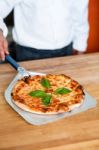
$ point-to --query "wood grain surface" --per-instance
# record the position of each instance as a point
(78, 132)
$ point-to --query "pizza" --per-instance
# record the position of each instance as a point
(47, 94)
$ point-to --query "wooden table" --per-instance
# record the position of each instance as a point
(78, 132)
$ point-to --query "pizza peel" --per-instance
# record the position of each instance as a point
(36, 119)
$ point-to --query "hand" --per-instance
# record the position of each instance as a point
(3, 46)
(76, 52)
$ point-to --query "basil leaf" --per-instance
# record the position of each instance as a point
(62, 91)
(45, 82)
(37, 93)
(47, 99)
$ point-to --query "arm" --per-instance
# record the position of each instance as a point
(81, 26)
(6, 7)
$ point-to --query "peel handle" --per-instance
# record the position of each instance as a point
(12, 62)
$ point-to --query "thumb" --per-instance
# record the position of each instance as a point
(6, 47)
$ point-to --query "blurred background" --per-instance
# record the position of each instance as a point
(93, 41)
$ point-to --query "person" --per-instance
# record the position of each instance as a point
(45, 28)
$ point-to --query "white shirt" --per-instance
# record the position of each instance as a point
(47, 24)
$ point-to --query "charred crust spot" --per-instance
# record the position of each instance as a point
(26, 79)
(21, 100)
(11, 93)
(80, 87)
(70, 111)
(83, 93)
(67, 77)
(44, 110)
(62, 106)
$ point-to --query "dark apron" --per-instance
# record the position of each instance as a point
(21, 53)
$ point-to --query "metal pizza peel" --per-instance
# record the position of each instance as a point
(36, 119)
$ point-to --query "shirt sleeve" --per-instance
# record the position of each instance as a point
(6, 7)
(81, 25)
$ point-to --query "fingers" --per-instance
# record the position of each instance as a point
(6, 47)
(80, 53)
(3, 48)
(77, 52)
(2, 55)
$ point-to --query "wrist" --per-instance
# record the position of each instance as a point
(77, 52)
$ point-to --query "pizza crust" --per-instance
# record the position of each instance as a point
(26, 108)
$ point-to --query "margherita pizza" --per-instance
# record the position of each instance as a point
(47, 94)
